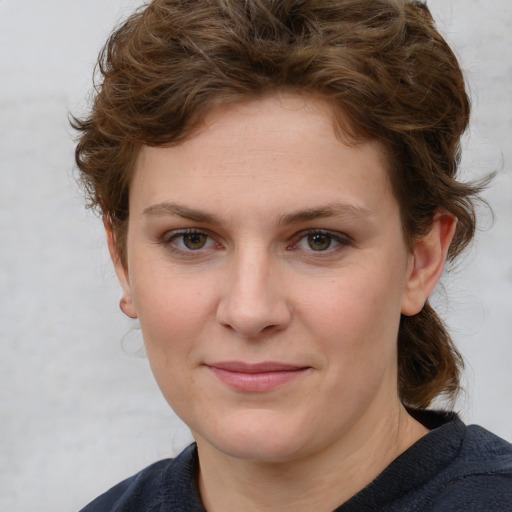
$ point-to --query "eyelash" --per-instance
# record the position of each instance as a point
(168, 241)
(340, 241)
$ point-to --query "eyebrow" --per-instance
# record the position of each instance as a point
(165, 209)
(333, 210)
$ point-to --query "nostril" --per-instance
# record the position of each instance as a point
(251, 306)
(250, 327)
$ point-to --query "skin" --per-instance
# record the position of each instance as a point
(294, 254)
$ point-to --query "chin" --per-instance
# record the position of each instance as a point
(274, 441)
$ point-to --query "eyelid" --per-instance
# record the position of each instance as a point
(342, 239)
(169, 237)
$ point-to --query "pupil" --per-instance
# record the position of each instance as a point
(319, 242)
(194, 240)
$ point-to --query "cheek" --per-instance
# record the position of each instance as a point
(356, 316)
(173, 314)
(172, 311)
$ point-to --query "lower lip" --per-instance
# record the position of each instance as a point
(256, 382)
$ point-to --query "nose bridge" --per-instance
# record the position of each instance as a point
(253, 300)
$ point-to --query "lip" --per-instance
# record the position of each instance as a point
(256, 377)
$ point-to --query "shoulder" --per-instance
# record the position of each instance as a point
(480, 476)
(485, 451)
(453, 468)
(144, 487)
(167, 481)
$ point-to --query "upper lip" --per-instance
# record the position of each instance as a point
(263, 367)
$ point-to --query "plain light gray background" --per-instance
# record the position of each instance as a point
(77, 412)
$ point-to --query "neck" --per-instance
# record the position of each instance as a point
(319, 482)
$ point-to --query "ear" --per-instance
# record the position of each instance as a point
(126, 302)
(427, 263)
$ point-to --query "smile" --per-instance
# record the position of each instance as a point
(256, 378)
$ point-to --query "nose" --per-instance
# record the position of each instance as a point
(253, 302)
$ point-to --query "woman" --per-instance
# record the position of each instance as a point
(278, 185)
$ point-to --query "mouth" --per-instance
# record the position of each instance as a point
(258, 377)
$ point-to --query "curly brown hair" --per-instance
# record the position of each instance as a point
(381, 63)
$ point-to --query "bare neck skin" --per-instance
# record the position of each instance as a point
(321, 482)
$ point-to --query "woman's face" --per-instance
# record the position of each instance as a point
(266, 262)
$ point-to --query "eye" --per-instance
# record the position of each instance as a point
(194, 241)
(189, 240)
(320, 241)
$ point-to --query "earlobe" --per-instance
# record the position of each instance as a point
(427, 263)
(126, 306)
(126, 303)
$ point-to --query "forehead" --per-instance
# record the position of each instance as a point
(278, 150)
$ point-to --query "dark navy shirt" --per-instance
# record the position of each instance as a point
(452, 468)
